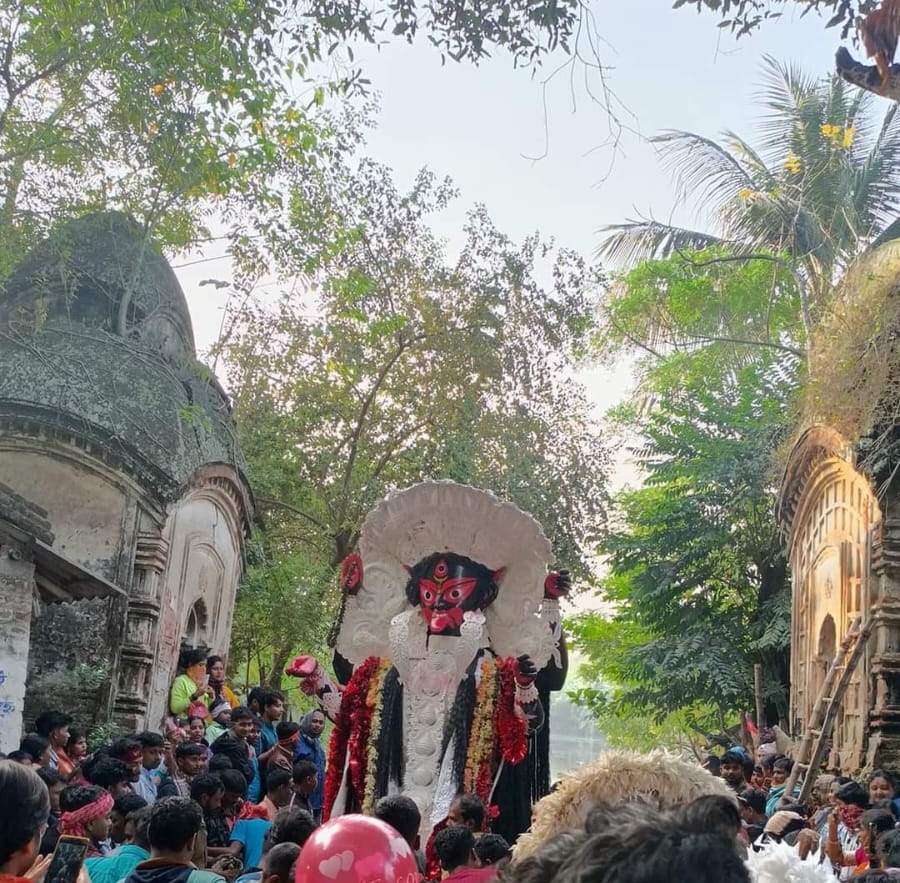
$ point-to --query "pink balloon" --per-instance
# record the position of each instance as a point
(356, 849)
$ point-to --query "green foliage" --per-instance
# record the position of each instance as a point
(696, 570)
(821, 186)
(394, 364)
(745, 16)
(282, 605)
(174, 111)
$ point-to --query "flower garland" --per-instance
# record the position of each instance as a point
(352, 715)
(478, 777)
(375, 704)
(513, 729)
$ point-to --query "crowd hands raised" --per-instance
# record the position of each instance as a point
(231, 792)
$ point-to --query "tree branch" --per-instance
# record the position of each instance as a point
(280, 504)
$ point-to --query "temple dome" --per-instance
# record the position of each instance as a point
(102, 271)
(97, 349)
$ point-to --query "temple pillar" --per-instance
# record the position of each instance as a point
(139, 635)
(16, 608)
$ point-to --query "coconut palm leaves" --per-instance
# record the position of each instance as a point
(821, 186)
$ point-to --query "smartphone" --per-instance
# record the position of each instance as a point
(68, 857)
(205, 681)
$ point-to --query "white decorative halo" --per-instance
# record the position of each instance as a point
(443, 516)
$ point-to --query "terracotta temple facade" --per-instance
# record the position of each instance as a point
(124, 505)
(844, 545)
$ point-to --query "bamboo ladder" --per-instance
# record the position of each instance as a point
(828, 702)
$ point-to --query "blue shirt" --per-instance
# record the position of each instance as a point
(309, 748)
(251, 834)
(116, 867)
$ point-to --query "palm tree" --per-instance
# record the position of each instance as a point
(821, 187)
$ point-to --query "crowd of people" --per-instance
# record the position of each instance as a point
(232, 791)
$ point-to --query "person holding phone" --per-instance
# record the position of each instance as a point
(24, 811)
(192, 686)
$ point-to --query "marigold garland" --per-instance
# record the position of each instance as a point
(513, 729)
(375, 703)
(482, 737)
(353, 711)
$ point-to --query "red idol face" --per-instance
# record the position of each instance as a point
(446, 587)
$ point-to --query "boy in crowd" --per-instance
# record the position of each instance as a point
(306, 780)
(190, 761)
(152, 747)
(113, 868)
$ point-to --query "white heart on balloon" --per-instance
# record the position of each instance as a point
(346, 858)
(330, 867)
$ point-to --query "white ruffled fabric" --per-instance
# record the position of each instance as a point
(781, 863)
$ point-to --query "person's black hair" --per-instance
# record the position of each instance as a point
(19, 757)
(270, 697)
(454, 847)
(279, 862)
(890, 778)
(34, 745)
(277, 778)
(853, 793)
(292, 825)
(218, 763)
(889, 849)
(303, 769)
(174, 822)
(205, 785)
(783, 763)
(398, 811)
(234, 782)
(886, 805)
(50, 776)
(711, 812)
(24, 809)
(543, 865)
(127, 803)
(876, 821)
(190, 656)
(48, 721)
(491, 848)
(471, 809)
(255, 695)
(107, 772)
(150, 739)
(124, 746)
(77, 796)
(768, 762)
(186, 749)
(659, 848)
(240, 713)
(754, 798)
(211, 661)
(733, 755)
(75, 735)
(286, 729)
(140, 818)
(713, 764)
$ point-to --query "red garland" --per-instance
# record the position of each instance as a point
(513, 729)
(353, 713)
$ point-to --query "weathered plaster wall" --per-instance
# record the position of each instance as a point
(16, 592)
(204, 535)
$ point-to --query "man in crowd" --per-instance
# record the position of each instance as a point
(467, 811)
(113, 868)
(152, 746)
(111, 774)
(130, 752)
(402, 814)
(175, 823)
(190, 761)
(234, 743)
(55, 785)
(306, 780)
(752, 804)
(271, 710)
(278, 792)
(455, 847)
(309, 747)
(732, 770)
(123, 806)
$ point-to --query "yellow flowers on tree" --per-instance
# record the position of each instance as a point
(820, 186)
